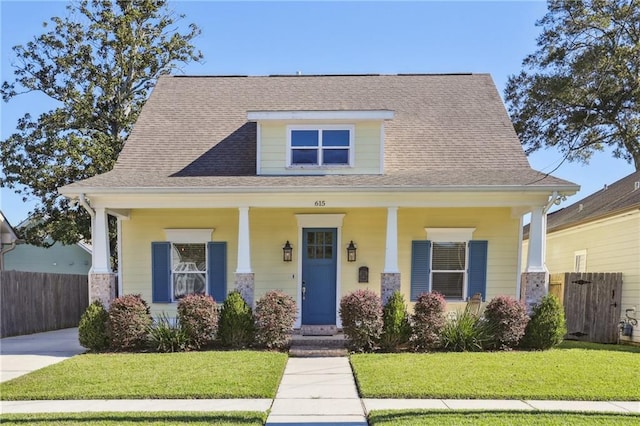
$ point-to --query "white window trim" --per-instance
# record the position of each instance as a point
(350, 127)
(451, 235)
(576, 255)
(186, 236)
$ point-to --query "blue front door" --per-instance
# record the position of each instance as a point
(319, 276)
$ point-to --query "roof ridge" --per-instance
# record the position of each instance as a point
(452, 74)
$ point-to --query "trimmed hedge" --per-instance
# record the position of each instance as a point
(508, 319)
(428, 321)
(361, 315)
(275, 315)
(129, 322)
(198, 317)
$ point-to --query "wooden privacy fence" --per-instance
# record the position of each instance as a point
(591, 304)
(32, 302)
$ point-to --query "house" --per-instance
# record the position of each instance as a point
(318, 186)
(56, 259)
(8, 239)
(600, 233)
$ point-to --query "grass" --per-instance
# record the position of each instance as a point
(491, 418)
(131, 419)
(575, 371)
(202, 375)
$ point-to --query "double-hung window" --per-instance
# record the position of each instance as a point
(188, 263)
(448, 268)
(328, 145)
(449, 262)
(188, 269)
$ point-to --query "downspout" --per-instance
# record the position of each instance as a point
(84, 203)
(4, 251)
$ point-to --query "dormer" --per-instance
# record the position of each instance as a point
(320, 142)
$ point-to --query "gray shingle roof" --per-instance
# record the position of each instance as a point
(618, 197)
(448, 130)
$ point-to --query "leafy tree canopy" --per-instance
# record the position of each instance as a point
(98, 64)
(580, 91)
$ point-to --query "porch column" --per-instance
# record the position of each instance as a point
(390, 279)
(535, 279)
(244, 277)
(102, 282)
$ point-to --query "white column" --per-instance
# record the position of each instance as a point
(101, 254)
(537, 236)
(244, 242)
(391, 246)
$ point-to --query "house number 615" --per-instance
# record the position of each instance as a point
(319, 203)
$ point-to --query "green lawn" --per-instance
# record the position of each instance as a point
(136, 419)
(491, 418)
(575, 372)
(232, 374)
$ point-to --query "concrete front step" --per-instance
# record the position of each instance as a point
(299, 351)
(318, 330)
(336, 341)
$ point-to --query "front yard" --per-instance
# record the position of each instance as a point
(574, 371)
(232, 374)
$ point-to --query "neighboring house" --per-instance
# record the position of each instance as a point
(600, 233)
(423, 175)
(8, 239)
(59, 258)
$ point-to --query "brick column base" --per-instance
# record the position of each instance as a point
(389, 282)
(102, 287)
(245, 284)
(533, 288)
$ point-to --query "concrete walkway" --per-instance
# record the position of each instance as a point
(23, 354)
(317, 391)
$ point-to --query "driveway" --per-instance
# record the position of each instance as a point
(23, 354)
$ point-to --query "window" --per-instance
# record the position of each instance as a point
(188, 269)
(188, 263)
(580, 261)
(448, 268)
(320, 146)
(449, 262)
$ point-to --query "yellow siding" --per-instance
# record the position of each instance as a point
(270, 228)
(612, 245)
(147, 226)
(273, 150)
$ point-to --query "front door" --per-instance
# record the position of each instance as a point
(319, 259)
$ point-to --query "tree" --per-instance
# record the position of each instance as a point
(98, 64)
(580, 91)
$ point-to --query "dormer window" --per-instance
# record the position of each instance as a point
(320, 146)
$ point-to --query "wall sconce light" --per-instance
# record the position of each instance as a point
(351, 252)
(287, 252)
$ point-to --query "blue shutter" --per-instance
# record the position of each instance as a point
(420, 267)
(217, 270)
(161, 272)
(477, 272)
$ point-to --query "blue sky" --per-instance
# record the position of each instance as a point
(262, 38)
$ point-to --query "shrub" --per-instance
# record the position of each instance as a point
(466, 333)
(547, 326)
(508, 318)
(236, 326)
(198, 317)
(92, 329)
(396, 330)
(275, 315)
(361, 314)
(428, 320)
(129, 322)
(166, 335)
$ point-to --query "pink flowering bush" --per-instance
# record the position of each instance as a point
(275, 315)
(198, 317)
(361, 315)
(129, 323)
(507, 318)
(428, 321)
